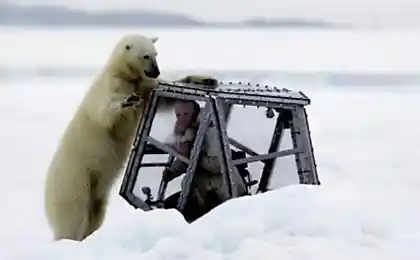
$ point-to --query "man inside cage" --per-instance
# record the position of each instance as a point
(207, 191)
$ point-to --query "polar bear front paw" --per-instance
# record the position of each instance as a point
(205, 81)
(133, 100)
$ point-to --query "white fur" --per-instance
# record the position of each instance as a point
(97, 141)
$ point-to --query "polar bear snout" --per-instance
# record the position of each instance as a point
(153, 71)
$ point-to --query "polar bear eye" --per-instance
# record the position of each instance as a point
(146, 57)
(127, 47)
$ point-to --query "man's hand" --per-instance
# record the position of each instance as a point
(168, 175)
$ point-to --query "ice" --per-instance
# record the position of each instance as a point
(367, 207)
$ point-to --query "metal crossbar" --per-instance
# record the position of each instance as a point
(247, 94)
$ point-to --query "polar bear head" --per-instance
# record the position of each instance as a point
(134, 58)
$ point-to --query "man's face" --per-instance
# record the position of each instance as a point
(184, 112)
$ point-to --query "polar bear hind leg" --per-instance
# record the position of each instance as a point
(97, 212)
(70, 218)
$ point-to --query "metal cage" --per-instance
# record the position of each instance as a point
(291, 113)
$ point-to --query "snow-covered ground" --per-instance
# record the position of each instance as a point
(366, 208)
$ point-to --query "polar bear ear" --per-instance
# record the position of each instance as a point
(154, 39)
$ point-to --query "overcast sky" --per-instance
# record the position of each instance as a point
(360, 12)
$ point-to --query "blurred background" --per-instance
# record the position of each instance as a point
(341, 42)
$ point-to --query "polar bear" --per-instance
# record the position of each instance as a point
(98, 139)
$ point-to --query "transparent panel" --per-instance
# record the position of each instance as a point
(163, 130)
(149, 176)
(152, 176)
(285, 171)
(251, 127)
(163, 125)
(202, 180)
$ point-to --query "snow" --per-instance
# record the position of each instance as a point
(365, 143)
